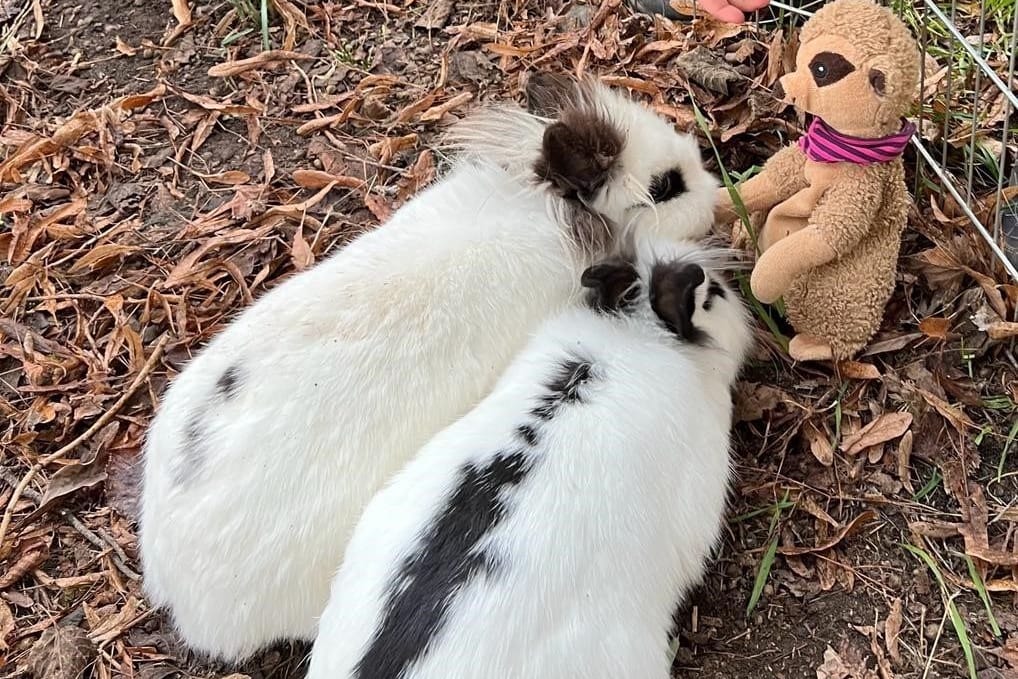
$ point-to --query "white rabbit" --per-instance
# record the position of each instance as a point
(269, 444)
(551, 531)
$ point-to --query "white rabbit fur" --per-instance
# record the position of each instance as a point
(267, 446)
(582, 528)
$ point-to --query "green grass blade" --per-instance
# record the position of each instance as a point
(762, 573)
(1007, 446)
(764, 570)
(266, 43)
(983, 594)
(952, 610)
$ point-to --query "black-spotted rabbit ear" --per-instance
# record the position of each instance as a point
(673, 297)
(613, 285)
(548, 93)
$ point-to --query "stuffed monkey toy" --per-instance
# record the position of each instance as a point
(837, 200)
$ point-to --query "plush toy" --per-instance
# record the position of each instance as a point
(837, 199)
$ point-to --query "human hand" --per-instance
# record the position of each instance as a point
(731, 11)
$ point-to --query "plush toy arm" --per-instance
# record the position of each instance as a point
(846, 212)
(836, 225)
(781, 177)
(791, 256)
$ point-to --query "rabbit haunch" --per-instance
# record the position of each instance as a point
(268, 445)
(551, 530)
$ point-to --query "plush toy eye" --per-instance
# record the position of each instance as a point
(666, 186)
(828, 68)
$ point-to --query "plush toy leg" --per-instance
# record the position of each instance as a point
(809, 348)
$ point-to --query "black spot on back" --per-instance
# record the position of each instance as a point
(528, 433)
(563, 388)
(666, 186)
(192, 455)
(424, 588)
(228, 383)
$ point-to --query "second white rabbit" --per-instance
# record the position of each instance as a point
(551, 531)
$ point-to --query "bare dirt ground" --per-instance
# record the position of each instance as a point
(152, 183)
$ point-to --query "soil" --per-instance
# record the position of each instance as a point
(821, 614)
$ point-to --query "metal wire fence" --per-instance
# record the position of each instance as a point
(967, 112)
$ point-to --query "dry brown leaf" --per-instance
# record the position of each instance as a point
(229, 177)
(436, 15)
(1002, 330)
(882, 429)
(378, 207)
(69, 480)
(101, 255)
(300, 251)
(892, 630)
(124, 48)
(263, 60)
(436, 112)
(958, 419)
(708, 70)
(753, 400)
(856, 370)
(210, 104)
(316, 179)
(31, 557)
(850, 529)
(6, 624)
(819, 444)
(835, 667)
(905, 461)
(182, 12)
(775, 58)
(62, 652)
(935, 327)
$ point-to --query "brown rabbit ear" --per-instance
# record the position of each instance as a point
(548, 93)
(673, 297)
(613, 285)
(578, 154)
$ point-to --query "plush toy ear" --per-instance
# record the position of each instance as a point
(612, 284)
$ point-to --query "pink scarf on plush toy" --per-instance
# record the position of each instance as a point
(824, 144)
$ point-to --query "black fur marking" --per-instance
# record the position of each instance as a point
(228, 384)
(424, 588)
(578, 154)
(828, 68)
(564, 388)
(192, 453)
(667, 185)
(673, 299)
(715, 289)
(528, 433)
(614, 285)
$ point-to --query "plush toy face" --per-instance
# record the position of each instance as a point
(834, 82)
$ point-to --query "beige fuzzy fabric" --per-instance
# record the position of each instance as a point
(862, 212)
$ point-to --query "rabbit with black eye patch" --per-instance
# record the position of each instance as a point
(268, 445)
(551, 531)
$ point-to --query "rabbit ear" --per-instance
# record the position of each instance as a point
(548, 93)
(611, 283)
(673, 297)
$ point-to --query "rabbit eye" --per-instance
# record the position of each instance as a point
(666, 186)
